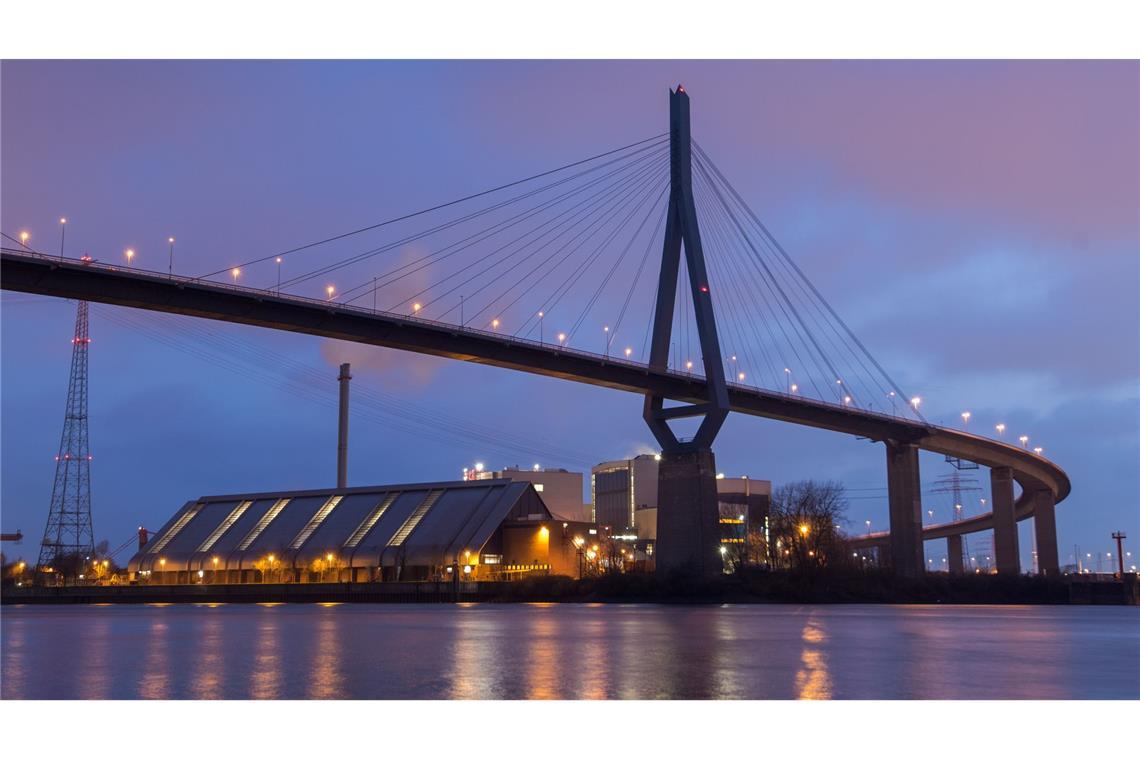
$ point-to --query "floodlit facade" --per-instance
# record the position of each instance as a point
(490, 529)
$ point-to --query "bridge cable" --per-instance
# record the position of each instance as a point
(439, 206)
(326, 268)
(595, 225)
(756, 220)
(608, 190)
(813, 310)
(609, 275)
(593, 204)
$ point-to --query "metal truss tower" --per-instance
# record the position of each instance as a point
(69, 533)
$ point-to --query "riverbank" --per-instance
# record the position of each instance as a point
(756, 587)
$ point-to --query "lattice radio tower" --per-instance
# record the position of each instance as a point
(69, 531)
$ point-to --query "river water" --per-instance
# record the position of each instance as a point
(568, 651)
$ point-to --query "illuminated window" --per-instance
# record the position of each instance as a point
(262, 524)
(538, 487)
(226, 524)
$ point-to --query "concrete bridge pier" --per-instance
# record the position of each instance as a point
(954, 554)
(1005, 521)
(688, 513)
(905, 497)
(1045, 531)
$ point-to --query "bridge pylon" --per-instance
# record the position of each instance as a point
(688, 518)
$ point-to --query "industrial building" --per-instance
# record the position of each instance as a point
(486, 529)
(561, 489)
(625, 501)
(620, 488)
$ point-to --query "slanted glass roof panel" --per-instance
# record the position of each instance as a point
(278, 534)
(331, 534)
(160, 542)
(224, 525)
(229, 540)
(401, 535)
(456, 513)
(209, 516)
(263, 522)
(315, 521)
(394, 516)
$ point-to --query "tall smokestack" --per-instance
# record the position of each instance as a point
(342, 431)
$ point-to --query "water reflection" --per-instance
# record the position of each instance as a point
(542, 657)
(95, 675)
(326, 679)
(155, 682)
(265, 682)
(469, 656)
(568, 652)
(206, 683)
(812, 679)
(13, 674)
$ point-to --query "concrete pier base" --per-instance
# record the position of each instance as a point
(688, 514)
(905, 497)
(954, 555)
(1045, 531)
(1005, 522)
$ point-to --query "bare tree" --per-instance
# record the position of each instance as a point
(804, 524)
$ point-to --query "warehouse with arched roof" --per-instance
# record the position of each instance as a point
(485, 530)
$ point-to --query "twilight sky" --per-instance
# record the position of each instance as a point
(976, 223)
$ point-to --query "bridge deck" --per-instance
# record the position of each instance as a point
(92, 281)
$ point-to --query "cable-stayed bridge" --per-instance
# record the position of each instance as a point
(576, 273)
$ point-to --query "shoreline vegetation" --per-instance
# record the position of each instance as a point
(749, 587)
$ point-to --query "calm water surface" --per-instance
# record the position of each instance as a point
(568, 652)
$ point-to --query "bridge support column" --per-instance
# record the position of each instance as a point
(688, 513)
(1005, 521)
(1045, 531)
(905, 497)
(954, 554)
